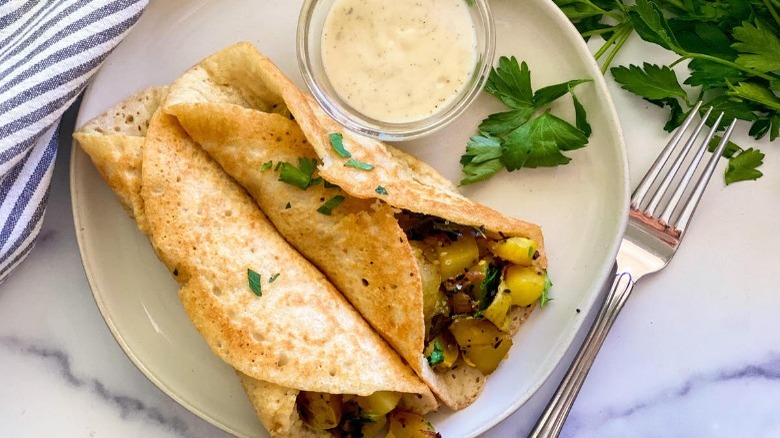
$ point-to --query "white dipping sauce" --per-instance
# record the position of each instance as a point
(399, 60)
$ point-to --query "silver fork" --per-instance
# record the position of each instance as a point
(650, 242)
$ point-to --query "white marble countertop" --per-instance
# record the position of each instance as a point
(695, 353)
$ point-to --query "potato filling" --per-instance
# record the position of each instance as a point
(362, 416)
(470, 283)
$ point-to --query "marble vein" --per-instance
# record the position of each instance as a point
(127, 407)
(768, 370)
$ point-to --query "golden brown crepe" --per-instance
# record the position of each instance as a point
(235, 103)
(300, 335)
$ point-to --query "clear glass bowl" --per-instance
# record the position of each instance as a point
(310, 28)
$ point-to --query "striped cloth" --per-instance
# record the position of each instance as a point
(48, 51)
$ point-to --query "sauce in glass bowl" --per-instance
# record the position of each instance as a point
(399, 61)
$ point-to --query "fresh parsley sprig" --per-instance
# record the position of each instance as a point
(732, 48)
(519, 138)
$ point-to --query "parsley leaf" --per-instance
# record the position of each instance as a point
(337, 141)
(254, 282)
(540, 142)
(730, 150)
(511, 83)
(758, 47)
(755, 93)
(358, 164)
(743, 166)
(482, 159)
(731, 109)
(298, 176)
(274, 277)
(437, 355)
(500, 123)
(710, 74)
(581, 119)
(329, 205)
(267, 165)
(545, 298)
(489, 286)
(650, 24)
(545, 95)
(381, 190)
(651, 82)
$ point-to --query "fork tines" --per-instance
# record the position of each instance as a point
(660, 198)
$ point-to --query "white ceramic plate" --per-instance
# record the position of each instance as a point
(582, 206)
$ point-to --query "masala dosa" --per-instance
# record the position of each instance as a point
(300, 335)
(361, 246)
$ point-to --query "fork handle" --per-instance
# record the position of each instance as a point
(551, 421)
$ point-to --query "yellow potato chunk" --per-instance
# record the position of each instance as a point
(517, 250)
(481, 342)
(320, 410)
(497, 310)
(458, 256)
(371, 430)
(402, 424)
(487, 357)
(525, 285)
(449, 351)
(379, 403)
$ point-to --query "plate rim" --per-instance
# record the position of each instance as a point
(556, 355)
(614, 121)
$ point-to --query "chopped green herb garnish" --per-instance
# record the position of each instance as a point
(294, 176)
(278, 165)
(315, 181)
(254, 282)
(267, 165)
(274, 277)
(329, 205)
(358, 164)
(381, 190)
(307, 165)
(337, 141)
(288, 206)
(489, 286)
(437, 355)
(300, 176)
(544, 299)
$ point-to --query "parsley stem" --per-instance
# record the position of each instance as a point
(610, 41)
(772, 11)
(618, 46)
(622, 8)
(601, 31)
(727, 63)
(679, 60)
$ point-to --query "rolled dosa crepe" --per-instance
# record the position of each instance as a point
(299, 334)
(360, 246)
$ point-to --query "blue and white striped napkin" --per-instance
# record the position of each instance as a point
(48, 51)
